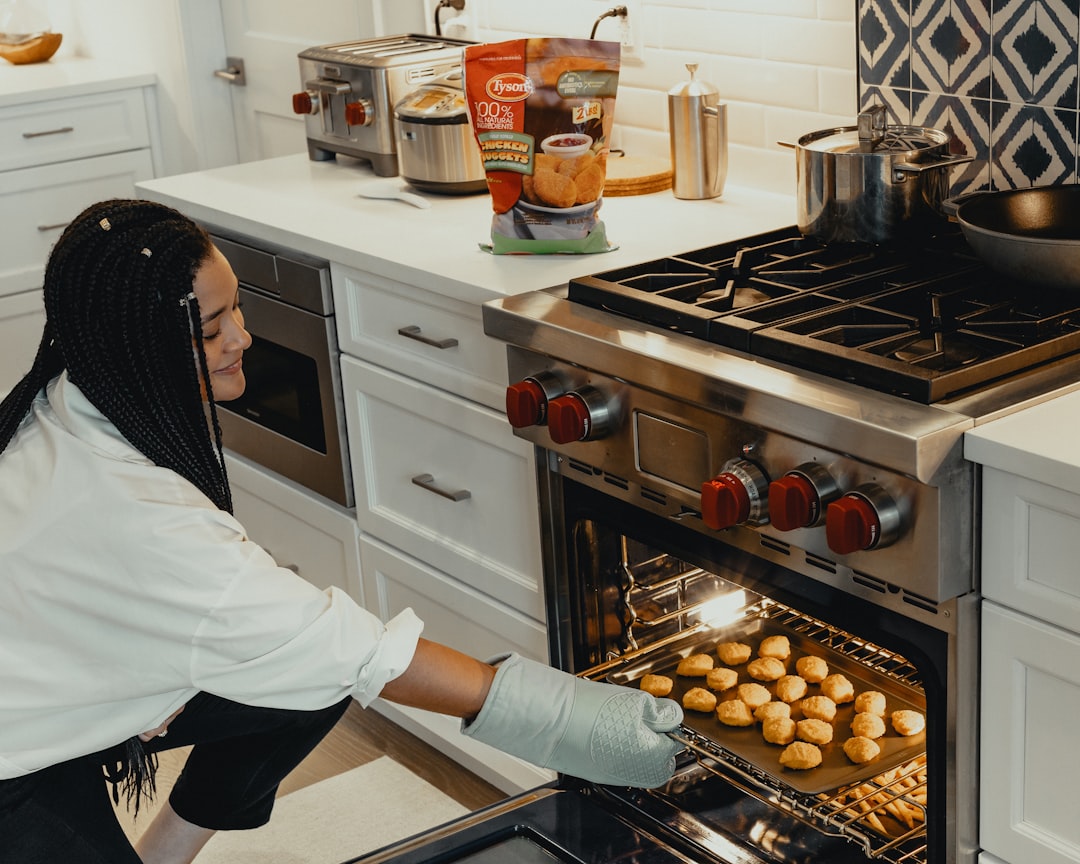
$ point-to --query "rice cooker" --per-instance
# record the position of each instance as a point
(437, 151)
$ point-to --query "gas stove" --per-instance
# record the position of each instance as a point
(925, 324)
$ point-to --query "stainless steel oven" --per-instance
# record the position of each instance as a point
(765, 438)
(291, 418)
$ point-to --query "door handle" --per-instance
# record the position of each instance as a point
(233, 72)
(413, 332)
(426, 481)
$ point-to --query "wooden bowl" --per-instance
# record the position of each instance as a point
(36, 50)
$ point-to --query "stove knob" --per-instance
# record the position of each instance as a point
(581, 415)
(305, 103)
(798, 499)
(359, 113)
(735, 497)
(527, 400)
(865, 518)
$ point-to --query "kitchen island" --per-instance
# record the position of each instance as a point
(446, 517)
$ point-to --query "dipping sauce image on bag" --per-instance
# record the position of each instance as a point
(542, 112)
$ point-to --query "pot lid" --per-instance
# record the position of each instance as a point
(693, 88)
(873, 135)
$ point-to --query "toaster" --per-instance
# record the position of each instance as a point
(350, 89)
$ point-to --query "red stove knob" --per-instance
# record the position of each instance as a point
(581, 415)
(305, 103)
(864, 518)
(736, 496)
(527, 400)
(360, 113)
(797, 499)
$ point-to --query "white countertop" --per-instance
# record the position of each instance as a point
(1041, 443)
(315, 207)
(67, 76)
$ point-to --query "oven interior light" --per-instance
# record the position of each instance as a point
(723, 610)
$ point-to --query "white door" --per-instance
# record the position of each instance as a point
(268, 34)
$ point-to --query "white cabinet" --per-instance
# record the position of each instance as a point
(58, 154)
(1030, 670)
(302, 531)
(445, 493)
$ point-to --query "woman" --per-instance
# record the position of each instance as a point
(135, 615)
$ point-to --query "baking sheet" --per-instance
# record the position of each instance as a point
(836, 769)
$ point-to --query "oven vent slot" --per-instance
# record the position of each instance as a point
(616, 480)
(775, 545)
(654, 496)
(869, 582)
(821, 563)
(583, 467)
(920, 601)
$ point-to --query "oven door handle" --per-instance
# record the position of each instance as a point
(426, 481)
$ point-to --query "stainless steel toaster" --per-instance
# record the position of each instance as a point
(350, 89)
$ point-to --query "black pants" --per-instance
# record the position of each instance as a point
(241, 754)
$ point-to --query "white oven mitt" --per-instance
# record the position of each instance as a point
(598, 732)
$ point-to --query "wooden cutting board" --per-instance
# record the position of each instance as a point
(636, 175)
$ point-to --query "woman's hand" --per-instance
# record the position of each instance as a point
(162, 730)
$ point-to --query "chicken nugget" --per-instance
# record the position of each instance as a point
(813, 669)
(790, 688)
(555, 189)
(734, 712)
(819, 708)
(772, 710)
(907, 722)
(800, 756)
(589, 183)
(721, 678)
(754, 695)
(866, 725)
(733, 653)
(546, 162)
(528, 189)
(838, 687)
(765, 669)
(778, 730)
(860, 750)
(695, 665)
(699, 699)
(775, 646)
(658, 685)
(870, 702)
(574, 166)
(814, 731)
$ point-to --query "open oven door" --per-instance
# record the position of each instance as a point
(556, 823)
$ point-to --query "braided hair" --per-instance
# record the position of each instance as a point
(120, 318)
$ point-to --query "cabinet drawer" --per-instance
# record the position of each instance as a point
(453, 613)
(1031, 543)
(317, 540)
(445, 480)
(1030, 702)
(22, 318)
(57, 130)
(36, 204)
(430, 337)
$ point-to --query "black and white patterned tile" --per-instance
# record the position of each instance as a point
(884, 33)
(951, 47)
(967, 123)
(1032, 146)
(1034, 52)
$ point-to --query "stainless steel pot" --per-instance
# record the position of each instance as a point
(1032, 235)
(437, 151)
(872, 183)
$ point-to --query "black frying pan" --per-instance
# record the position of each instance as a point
(1032, 235)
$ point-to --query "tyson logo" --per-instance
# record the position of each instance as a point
(509, 87)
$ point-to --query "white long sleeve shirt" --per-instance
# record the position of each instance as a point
(124, 591)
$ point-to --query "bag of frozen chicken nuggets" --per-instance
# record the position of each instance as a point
(542, 110)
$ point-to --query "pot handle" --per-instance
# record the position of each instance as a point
(920, 167)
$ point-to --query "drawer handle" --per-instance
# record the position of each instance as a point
(426, 481)
(62, 130)
(413, 332)
(53, 226)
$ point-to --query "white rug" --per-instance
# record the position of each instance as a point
(338, 818)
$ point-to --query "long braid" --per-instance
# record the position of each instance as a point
(121, 318)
